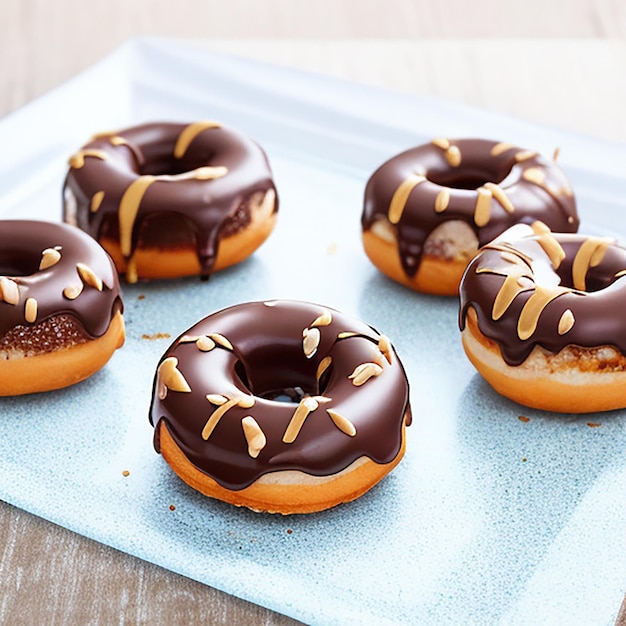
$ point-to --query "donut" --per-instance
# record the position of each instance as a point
(60, 307)
(428, 210)
(542, 319)
(169, 200)
(281, 407)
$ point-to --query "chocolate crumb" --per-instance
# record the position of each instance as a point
(523, 418)
(524, 459)
(156, 336)
(289, 531)
(594, 424)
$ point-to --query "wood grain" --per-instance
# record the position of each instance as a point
(44, 43)
(574, 84)
(49, 575)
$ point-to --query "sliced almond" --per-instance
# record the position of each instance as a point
(501, 147)
(245, 402)
(524, 155)
(49, 257)
(9, 291)
(323, 320)
(255, 438)
(566, 323)
(188, 339)
(216, 399)
(441, 142)
(213, 421)
(209, 173)
(384, 345)
(482, 210)
(534, 175)
(30, 310)
(96, 201)
(362, 373)
(205, 344)
(442, 200)
(540, 228)
(71, 292)
(342, 423)
(171, 377)
(310, 341)
(322, 399)
(500, 195)
(453, 156)
(324, 364)
(306, 406)
(220, 340)
(88, 276)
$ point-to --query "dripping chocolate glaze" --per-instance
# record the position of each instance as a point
(22, 244)
(597, 310)
(203, 173)
(267, 355)
(466, 169)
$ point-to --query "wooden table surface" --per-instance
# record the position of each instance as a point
(561, 63)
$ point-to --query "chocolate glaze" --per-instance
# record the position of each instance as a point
(531, 201)
(208, 208)
(267, 355)
(22, 243)
(598, 311)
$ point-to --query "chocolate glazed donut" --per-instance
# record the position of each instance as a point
(200, 188)
(542, 317)
(60, 306)
(427, 210)
(340, 426)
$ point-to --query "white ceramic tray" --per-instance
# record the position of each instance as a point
(488, 519)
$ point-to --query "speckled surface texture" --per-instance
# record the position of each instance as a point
(489, 519)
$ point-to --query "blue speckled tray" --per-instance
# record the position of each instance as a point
(488, 519)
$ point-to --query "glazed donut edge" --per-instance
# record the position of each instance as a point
(281, 406)
(168, 200)
(541, 319)
(427, 210)
(61, 312)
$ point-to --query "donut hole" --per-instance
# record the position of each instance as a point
(467, 177)
(281, 384)
(18, 263)
(596, 276)
(289, 395)
(159, 161)
(595, 280)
